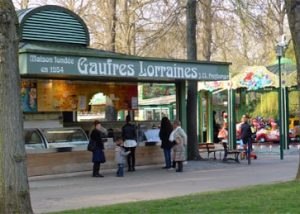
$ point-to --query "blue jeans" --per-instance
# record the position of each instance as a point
(120, 171)
(167, 153)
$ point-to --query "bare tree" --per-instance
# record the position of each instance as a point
(14, 189)
(113, 15)
(206, 9)
(23, 4)
(293, 11)
(193, 151)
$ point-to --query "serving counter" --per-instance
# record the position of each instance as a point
(64, 150)
(47, 162)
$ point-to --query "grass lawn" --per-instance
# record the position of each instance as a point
(274, 198)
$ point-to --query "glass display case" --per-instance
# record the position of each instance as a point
(33, 139)
(63, 139)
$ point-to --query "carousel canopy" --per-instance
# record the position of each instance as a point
(254, 78)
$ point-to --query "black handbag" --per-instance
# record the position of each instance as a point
(91, 146)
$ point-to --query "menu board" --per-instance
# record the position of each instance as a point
(152, 135)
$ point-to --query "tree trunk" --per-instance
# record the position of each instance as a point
(293, 11)
(112, 39)
(126, 38)
(207, 28)
(193, 152)
(14, 189)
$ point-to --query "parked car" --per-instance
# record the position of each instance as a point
(63, 139)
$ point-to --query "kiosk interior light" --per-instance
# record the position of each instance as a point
(60, 131)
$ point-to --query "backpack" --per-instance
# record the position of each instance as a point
(91, 146)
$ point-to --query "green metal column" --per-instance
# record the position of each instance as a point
(181, 103)
(231, 119)
(243, 102)
(286, 117)
(171, 112)
(280, 110)
(209, 112)
(200, 117)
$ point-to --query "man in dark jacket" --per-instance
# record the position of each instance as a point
(245, 130)
(129, 137)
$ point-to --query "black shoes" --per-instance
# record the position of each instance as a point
(131, 169)
(98, 176)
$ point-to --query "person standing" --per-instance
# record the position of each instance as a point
(120, 155)
(179, 137)
(129, 137)
(164, 134)
(216, 128)
(246, 134)
(97, 135)
(245, 130)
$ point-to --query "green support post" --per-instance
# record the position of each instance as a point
(171, 112)
(200, 117)
(231, 119)
(181, 103)
(243, 102)
(280, 110)
(286, 118)
(209, 112)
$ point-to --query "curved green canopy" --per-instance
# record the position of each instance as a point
(287, 66)
(283, 60)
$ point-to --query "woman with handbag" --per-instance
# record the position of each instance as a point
(96, 136)
(179, 137)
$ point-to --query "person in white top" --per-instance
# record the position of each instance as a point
(179, 139)
(129, 137)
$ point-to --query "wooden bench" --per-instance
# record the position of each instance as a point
(232, 153)
(209, 148)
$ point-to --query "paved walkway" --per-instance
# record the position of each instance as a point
(78, 190)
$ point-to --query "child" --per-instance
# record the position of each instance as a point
(120, 156)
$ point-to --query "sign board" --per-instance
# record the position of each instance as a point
(118, 67)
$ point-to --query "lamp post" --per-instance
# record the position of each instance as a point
(279, 53)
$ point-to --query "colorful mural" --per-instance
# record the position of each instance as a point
(29, 96)
(157, 90)
(62, 95)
